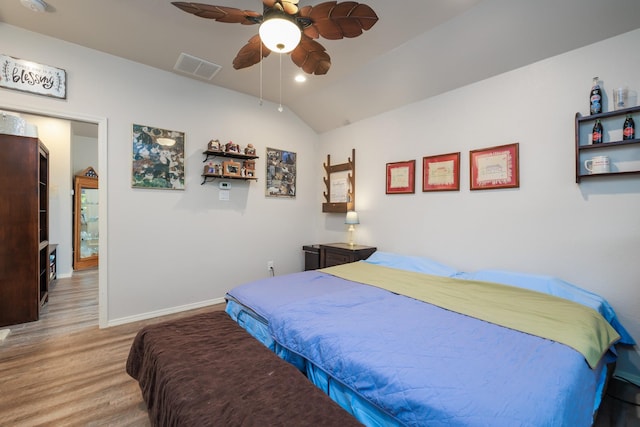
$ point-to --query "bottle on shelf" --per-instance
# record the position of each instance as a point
(596, 134)
(629, 128)
(595, 98)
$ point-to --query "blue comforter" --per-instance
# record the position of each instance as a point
(420, 364)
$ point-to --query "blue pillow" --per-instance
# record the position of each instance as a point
(411, 263)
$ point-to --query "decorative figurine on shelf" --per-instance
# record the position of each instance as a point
(230, 147)
(250, 150)
(214, 145)
(249, 164)
(243, 171)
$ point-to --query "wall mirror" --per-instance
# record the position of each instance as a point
(85, 211)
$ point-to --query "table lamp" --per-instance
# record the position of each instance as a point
(351, 219)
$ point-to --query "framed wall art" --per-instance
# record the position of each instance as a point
(231, 168)
(441, 173)
(158, 158)
(494, 167)
(281, 173)
(29, 76)
(401, 177)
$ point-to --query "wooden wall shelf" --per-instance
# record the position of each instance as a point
(350, 167)
(618, 149)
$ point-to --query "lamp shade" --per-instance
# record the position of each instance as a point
(352, 218)
(280, 34)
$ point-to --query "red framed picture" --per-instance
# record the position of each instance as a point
(494, 167)
(401, 177)
(441, 173)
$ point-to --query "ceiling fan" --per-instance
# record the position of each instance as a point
(331, 20)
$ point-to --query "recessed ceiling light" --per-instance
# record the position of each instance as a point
(35, 5)
(301, 78)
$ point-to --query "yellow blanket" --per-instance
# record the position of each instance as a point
(546, 316)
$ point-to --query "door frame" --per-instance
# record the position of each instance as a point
(102, 194)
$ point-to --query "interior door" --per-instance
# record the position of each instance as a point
(85, 231)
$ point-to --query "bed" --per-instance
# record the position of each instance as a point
(399, 340)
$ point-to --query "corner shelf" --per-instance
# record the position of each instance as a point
(230, 155)
(583, 147)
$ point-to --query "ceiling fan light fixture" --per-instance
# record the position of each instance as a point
(280, 34)
(35, 5)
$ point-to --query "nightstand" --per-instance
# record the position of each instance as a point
(341, 253)
(311, 257)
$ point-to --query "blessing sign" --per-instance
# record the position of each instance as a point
(32, 77)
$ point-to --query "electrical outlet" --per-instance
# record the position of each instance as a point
(269, 265)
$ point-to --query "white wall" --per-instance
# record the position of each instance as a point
(84, 153)
(587, 234)
(171, 249)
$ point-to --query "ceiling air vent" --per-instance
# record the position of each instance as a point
(196, 67)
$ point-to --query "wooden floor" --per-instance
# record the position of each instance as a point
(64, 371)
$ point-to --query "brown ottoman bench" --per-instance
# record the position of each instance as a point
(205, 370)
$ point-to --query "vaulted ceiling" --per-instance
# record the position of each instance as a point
(417, 49)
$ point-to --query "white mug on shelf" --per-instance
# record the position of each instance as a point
(598, 164)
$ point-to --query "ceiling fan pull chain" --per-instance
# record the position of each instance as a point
(261, 59)
(280, 109)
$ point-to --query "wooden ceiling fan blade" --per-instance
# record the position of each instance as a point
(346, 16)
(305, 11)
(309, 30)
(220, 13)
(335, 20)
(365, 15)
(312, 57)
(250, 53)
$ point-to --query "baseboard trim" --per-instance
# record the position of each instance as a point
(164, 312)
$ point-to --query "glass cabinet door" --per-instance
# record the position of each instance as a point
(86, 234)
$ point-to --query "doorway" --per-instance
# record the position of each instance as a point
(72, 137)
